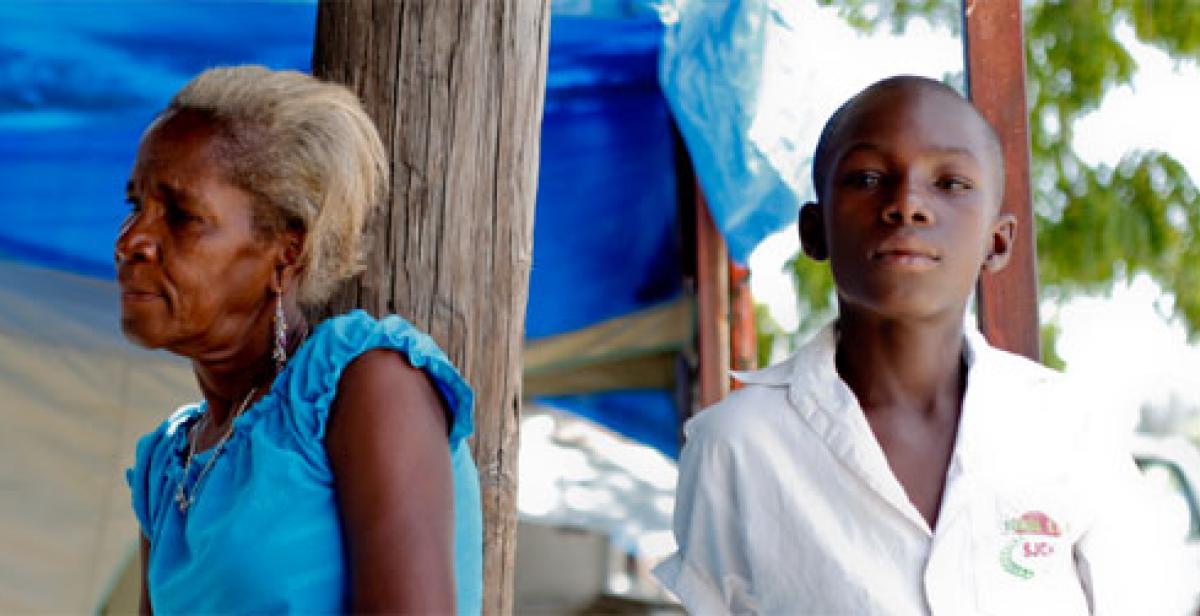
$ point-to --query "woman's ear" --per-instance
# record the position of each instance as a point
(290, 245)
(1004, 231)
(812, 232)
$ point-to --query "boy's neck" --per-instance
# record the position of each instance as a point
(903, 365)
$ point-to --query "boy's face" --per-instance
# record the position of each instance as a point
(911, 201)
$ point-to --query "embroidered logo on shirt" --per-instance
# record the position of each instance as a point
(1031, 542)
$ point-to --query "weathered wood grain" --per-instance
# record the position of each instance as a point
(456, 89)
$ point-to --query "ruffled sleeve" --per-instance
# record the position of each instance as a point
(147, 464)
(310, 382)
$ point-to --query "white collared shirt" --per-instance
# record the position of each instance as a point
(786, 503)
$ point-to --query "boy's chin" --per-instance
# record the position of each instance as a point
(907, 308)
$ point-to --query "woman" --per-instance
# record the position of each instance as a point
(326, 468)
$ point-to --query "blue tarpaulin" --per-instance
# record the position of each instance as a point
(606, 234)
(81, 80)
(606, 238)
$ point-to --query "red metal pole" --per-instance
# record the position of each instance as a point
(995, 61)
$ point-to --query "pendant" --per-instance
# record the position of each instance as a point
(181, 499)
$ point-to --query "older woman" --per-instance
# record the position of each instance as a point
(325, 469)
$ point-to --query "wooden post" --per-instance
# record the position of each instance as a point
(712, 295)
(743, 334)
(455, 88)
(995, 60)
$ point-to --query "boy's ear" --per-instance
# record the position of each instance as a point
(812, 232)
(1004, 231)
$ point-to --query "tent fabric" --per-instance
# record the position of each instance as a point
(607, 242)
(606, 239)
(746, 137)
(84, 80)
(81, 82)
(76, 397)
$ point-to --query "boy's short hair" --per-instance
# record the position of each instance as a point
(835, 125)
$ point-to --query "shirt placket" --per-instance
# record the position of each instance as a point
(948, 579)
(837, 417)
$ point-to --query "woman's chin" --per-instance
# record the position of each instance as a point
(141, 333)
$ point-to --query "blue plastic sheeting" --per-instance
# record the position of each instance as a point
(606, 237)
(648, 413)
(81, 80)
(606, 240)
(742, 151)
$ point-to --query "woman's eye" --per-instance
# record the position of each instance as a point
(135, 209)
(178, 215)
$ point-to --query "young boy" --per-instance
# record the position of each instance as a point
(898, 464)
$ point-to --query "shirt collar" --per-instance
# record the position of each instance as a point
(818, 354)
(819, 349)
(817, 393)
(814, 386)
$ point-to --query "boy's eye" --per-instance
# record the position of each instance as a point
(863, 180)
(954, 184)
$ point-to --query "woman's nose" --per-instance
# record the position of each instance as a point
(136, 241)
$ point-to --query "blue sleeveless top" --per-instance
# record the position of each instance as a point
(264, 534)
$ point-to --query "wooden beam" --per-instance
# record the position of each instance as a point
(743, 334)
(456, 89)
(712, 297)
(995, 60)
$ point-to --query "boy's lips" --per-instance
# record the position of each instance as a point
(906, 254)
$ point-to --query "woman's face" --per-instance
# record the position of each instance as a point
(195, 278)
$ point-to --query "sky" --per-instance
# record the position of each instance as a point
(1154, 357)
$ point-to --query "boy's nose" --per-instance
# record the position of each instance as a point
(907, 207)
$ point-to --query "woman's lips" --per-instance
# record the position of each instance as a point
(139, 296)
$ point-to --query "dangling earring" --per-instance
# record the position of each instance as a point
(280, 354)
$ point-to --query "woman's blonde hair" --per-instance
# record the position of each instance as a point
(307, 150)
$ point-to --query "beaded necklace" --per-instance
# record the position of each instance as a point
(182, 498)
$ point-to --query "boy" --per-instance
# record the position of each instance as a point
(897, 464)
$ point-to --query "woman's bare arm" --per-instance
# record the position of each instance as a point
(387, 446)
(144, 601)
